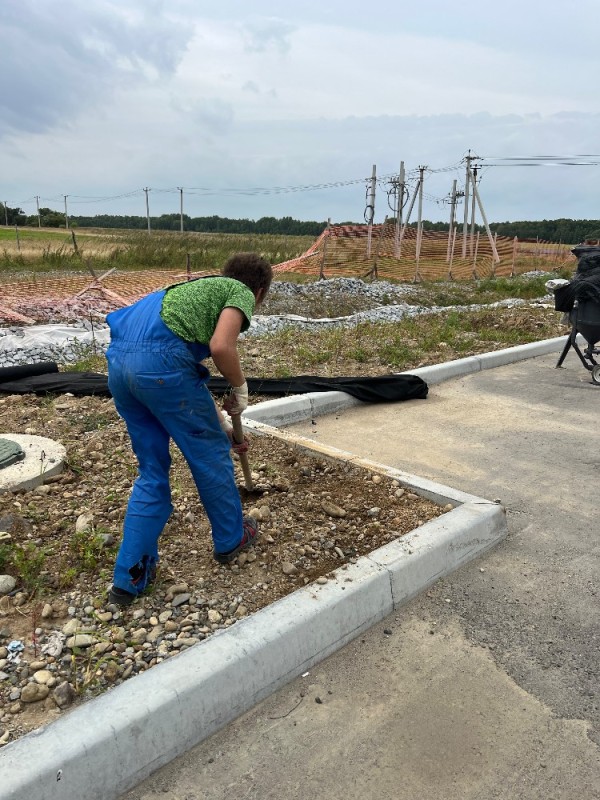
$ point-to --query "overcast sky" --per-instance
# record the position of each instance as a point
(105, 97)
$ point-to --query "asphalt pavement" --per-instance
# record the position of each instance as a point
(487, 685)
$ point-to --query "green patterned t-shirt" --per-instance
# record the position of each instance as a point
(191, 310)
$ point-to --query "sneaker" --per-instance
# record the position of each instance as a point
(248, 538)
(120, 597)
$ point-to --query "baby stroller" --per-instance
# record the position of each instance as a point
(585, 319)
(580, 298)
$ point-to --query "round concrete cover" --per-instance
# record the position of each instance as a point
(10, 453)
(44, 458)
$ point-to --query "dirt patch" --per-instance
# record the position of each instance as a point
(315, 515)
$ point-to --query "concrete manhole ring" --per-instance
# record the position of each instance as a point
(43, 459)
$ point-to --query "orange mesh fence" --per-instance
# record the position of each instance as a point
(340, 251)
(382, 252)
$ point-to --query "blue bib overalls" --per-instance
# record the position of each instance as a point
(159, 389)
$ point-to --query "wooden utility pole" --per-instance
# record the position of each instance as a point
(37, 205)
(485, 222)
(399, 202)
(325, 238)
(410, 208)
(180, 209)
(419, 222)
(370, 210)
(468, 160)
(452, 213)
(6, 213)
(472, 236)
(475, 257)
(66, 213)
(452, 246)
(146, 190)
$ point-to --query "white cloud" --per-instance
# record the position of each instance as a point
(108, 97)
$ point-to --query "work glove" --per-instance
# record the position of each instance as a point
(227, 428)
(237, 400)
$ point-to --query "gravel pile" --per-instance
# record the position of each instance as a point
(76, 338)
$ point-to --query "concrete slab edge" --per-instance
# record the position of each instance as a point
(497, 358)
(297, 408)
(110, 744)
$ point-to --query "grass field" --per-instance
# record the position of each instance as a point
(47, 250)
(55, 250)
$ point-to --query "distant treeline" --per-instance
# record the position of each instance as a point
(569, 231)
(214, 224)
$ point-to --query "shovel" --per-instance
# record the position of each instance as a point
(238, 437)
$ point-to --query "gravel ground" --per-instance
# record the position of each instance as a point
(62, 643)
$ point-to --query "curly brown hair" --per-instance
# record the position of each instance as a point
(251, 269)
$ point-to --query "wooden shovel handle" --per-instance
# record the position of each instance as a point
(238, 438)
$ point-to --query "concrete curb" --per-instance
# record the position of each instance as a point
(289, 410)
(112, 743)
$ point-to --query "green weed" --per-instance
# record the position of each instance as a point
(87, 550)
(29, 560)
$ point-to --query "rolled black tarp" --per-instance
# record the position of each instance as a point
(379, 389)
(27, 371)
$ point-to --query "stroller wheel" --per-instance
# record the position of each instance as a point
(596, 374)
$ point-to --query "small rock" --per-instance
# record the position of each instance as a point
(288, 568)
(7, 584)
(33, 692)
(14, 523)
(214, 616)
(63, 695)
(71, 627)
(376, 478)
(321, 580)
(42, 676)
(175, 589)
(332, 509)
(80, 640)
(180, 599)
(84, 522)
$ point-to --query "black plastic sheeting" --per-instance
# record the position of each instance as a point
(27, 371)
(29, 379)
